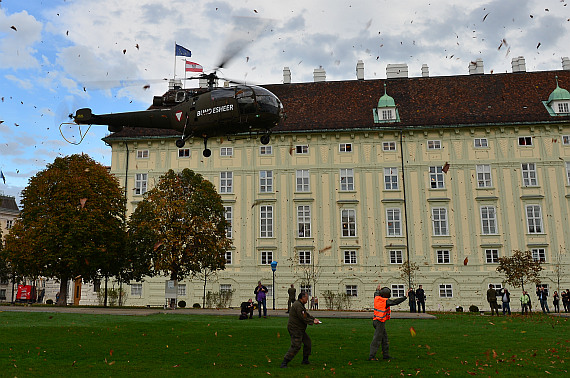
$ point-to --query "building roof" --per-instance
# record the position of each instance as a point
(422, 102)
(8, 203)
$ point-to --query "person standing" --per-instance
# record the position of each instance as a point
(492, 299)
(412, 300)
(421, 298)
(506, 299)
(556, 301)
(299, 318)
(260, 296)
(292, 294)
(566, 300)
(525, 303)
(382, 311)
(543, 299)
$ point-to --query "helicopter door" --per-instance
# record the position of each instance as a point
(246, 100)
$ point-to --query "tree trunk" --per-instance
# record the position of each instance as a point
(63, 285)
(105, 300)
(204, 296)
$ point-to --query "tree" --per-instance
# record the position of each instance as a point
(180, 226)
(408, 271)
(4, 267)
(72, 224)
(520, 268)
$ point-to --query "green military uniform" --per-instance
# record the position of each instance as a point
(297, 325)
(292, 294)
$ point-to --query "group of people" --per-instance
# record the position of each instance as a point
(494, 295)
(417, 300)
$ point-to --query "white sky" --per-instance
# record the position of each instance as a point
(61, 46)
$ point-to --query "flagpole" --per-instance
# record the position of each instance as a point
(174, 60)
(184, 84)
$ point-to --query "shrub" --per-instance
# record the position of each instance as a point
(337, 301)
(221, 299)
(112, 296)
(49, 301)
(196, 305)
(473, 308)
(182, 304)
(459, 309)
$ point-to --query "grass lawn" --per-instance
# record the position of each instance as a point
(57, 344)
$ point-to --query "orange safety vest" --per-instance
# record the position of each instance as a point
(381, 311)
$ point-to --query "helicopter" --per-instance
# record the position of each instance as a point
(202, 112)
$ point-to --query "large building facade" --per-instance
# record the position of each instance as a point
(450, 173)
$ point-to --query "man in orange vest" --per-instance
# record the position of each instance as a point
(381, 315)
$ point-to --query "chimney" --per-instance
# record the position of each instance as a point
(566, 63)
(203, 83)
(518, 64)
(425, 70)
(174, 84)
(286, 75)
(476, 67)
(360, 70)
(319, 74)
(394, 71)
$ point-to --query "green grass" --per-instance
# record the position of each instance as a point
(58, 344)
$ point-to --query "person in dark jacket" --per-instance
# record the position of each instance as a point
(260, 296)
(412, 300)
(246, 309)
(542, 295)
(292, 292)
(382, 312)
(492, 299)
(421, 298)
(506, 301)
(299, 318)
(556, 301)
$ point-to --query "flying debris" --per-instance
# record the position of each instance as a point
(484, 18)
(537, 46)
(13, 27)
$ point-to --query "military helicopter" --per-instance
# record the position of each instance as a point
(202, 112)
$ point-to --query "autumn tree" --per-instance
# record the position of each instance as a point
(519, 268)
(72, 224)
(179, 228)
(408, 271)
(4, 267)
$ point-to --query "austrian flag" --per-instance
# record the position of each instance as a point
(193, 67)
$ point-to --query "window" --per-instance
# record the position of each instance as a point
(9, 224)
(539, 254)
(184, 153)
(306, 289)
(567, 173)
(529, 174)
(226, 151)
(304, 257)
(229, 257)
(266, 224)
(266, 257)
(388, 146)
(266, 181)
(302, 176)
(140, 183)
(352, 290)
(439, 219)
(181, 289)
(269, 291)
(142, 154)
(226, 182)
(566, 140)
(398, 291)
(348, 222)
(534, 219)
(304, 221)
(302, 149)
(228, 214)
(2, 294)
(483, 176)
(393, 222)
(396, 257)
(225, 288)
(347, 179)
(492, 256)
(563, 107)
(266, 150)
(545, 286)
(445, 291)
(443, 256)
(136, 290)
(436, 177)
(345, 147)
(434, 144)
(481, 142)
(525, 141)
(488, 220)
(391, 178)
(497, 286)
(387, 114)
(350, 257)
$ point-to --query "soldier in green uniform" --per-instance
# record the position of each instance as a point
(292, 294)
(297, 326)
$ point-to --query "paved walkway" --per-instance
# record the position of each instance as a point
(192, 311)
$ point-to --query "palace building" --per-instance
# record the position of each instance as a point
(449, 173)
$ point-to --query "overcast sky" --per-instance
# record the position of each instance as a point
(57, 56)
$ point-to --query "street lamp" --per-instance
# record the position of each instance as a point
(274, 268)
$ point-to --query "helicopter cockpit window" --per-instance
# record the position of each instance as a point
(267, 101)
(218, 94)
(245, 99)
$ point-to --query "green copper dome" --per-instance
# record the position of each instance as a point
(386, 101)
(557, 94)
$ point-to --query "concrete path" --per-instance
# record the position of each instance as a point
(192, 311)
